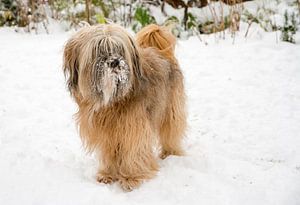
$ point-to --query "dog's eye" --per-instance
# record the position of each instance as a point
(114, 63)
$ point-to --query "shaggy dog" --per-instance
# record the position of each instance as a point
(130, 96)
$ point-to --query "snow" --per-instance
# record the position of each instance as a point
(242, 144)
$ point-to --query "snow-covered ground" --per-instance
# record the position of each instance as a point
(243, 143)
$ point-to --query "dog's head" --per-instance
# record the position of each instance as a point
(101, 63)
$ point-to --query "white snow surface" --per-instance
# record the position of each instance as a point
(242, 146)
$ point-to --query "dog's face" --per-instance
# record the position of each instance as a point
(101, 63)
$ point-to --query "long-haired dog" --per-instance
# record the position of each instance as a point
(130, 95)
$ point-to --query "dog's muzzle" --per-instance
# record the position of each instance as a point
(111, 78)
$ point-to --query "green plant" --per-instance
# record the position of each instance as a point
(263, 16)
(264, 19)
(289, 28)
(8, 12)
(8, 4)
(103, 6)
(191, 21)
(60, 5)
(100, 19)
(174, 23)
(143, 18)
(249, 18)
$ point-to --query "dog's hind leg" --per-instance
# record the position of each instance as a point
(173, 126)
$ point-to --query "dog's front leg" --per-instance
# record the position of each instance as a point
(106, 175)
(107, 172)
(135, 160)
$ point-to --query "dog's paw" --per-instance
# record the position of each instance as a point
(106, 179)
(164, 153)
(128, 184)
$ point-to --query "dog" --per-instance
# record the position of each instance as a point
(130, 94)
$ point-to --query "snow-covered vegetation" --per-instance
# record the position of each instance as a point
(186, 18)
(243, 89)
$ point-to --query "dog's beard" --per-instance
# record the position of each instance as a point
(111, 78)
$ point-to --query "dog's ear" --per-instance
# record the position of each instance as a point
(71, 64)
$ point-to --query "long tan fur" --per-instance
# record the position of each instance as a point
(159, 38)
(174, 125)
(125, 107)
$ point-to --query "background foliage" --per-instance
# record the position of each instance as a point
(185, 17)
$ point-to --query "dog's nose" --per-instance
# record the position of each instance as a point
(115, 63)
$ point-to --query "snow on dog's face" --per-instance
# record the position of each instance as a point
(102, 63)
(110, 77)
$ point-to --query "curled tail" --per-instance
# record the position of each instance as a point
(159, 38)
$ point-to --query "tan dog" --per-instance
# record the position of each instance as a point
(130, 95)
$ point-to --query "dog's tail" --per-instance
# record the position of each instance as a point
(158, 37)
